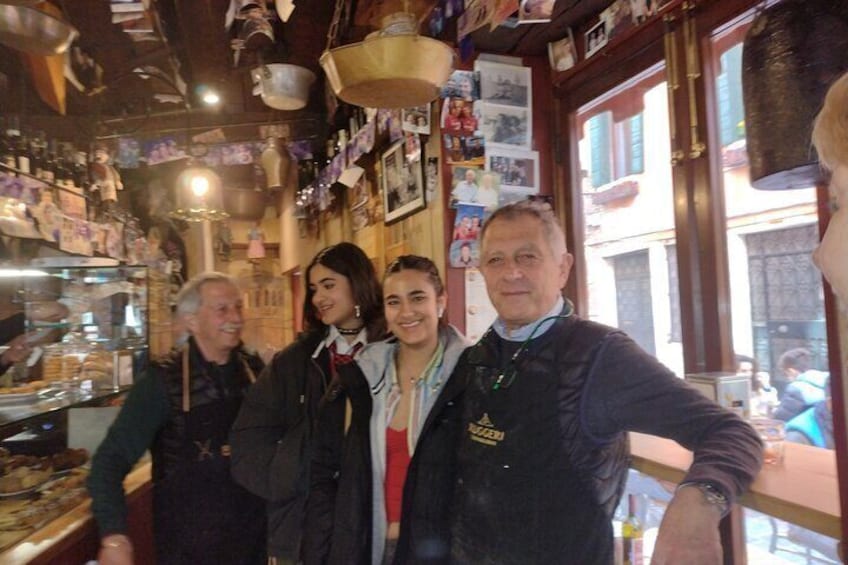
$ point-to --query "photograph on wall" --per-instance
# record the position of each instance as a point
(163, 150)
(617, 17)
(462, 84)
(463, 254)
(129, 151)
(518, 169)
(508, 85)
(360, 218)
(472, 185)
(562, 54)
(412, 147)
(363, 142)
(506, 125)
(468, 222)
(402, 184)
(535, 11)
(596, 38)
(464, 150)
(431, 178)
(359, 193)
(395, 126)
(416, 120)
(464, 185)
(460, 117)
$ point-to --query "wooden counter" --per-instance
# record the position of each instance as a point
(804, 489)
(73, 538)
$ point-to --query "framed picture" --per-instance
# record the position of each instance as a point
(402, 183)
(519, 170)
(596, 38)
(509, 85)
(535, 11)
(506, 125)
(562, 54)
(416, 120)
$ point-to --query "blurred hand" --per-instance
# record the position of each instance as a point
(17, 351)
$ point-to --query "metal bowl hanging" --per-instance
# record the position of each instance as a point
(392, 68)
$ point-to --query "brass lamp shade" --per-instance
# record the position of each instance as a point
(398, 71)
(199, 196)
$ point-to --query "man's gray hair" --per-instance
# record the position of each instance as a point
(542, 211)
(188, 299)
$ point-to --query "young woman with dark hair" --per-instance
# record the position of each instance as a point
(272, 436)
(353, 513)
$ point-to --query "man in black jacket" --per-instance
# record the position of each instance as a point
(524, 457)
(182, 411)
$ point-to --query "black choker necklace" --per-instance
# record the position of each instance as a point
(346, 331)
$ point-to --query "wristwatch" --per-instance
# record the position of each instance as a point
(712, 495)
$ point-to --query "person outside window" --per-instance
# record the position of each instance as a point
(806, 385)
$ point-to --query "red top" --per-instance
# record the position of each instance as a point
(397, 462)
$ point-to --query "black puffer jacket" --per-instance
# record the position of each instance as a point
(338, 512)
(272, 435)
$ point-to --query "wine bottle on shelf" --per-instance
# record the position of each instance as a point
(7, 147)
(62, 174)
(631, 533)
(22, 155)
(36, 150)
(48, 171)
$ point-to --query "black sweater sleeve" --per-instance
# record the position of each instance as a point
(629, 390)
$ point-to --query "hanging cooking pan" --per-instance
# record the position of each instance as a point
(32, 31)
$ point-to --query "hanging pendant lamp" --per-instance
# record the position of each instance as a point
(392, 68)
(792, 53)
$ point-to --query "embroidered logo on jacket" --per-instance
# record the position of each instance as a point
(484, 431)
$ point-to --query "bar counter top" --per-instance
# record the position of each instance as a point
(53, 542)
(803, 489)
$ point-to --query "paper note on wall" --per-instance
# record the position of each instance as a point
(479, 312)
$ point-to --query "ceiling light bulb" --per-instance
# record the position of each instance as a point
(199, 186)
(211, 98)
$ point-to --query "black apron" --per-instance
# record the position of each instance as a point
(200, 514)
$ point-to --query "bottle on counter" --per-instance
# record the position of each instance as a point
(631, 533)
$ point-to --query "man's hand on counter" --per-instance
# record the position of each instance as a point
(689, 531)
(115, 549)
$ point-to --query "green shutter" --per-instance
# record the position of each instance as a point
(637, 154)
(599, 143)
(731, 107)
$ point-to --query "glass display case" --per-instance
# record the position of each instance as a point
(83, 331)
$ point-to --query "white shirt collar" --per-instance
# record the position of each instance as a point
(522, 333)
(342, 345)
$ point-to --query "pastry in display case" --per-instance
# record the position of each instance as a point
(85, 337)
